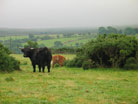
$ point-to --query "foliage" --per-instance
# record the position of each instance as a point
(31, 44)
(131, 63)
(7, 63)
(108, 30)
(58, 44)
(108, 51)
(131, 31)
(86, 65)
(111, 30)
(56, 65)
(32, 38)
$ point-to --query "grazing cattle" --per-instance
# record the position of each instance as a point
(38, 56)
(58, 59)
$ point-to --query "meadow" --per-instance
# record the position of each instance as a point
(68, 85)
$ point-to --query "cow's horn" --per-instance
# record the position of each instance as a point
(21, 48)
(31, 48)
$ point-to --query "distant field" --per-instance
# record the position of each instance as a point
(51, 35)
(68, 86)
(67, 41)
(13, 37)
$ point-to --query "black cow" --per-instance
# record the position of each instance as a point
(38, 56)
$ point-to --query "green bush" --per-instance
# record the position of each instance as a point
(56, 65)
(70, 63)
(7, 62)
(131, 64)
(86, 65)
(76, 62)
(107, 51)
(131, 60)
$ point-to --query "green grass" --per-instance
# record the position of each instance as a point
(68, 86)
(66, 41)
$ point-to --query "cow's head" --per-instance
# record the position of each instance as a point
(27, 51)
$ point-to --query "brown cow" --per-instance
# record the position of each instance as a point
(58, 59)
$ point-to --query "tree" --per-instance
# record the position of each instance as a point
(31, 44)
(58, 44)
(111, 30)
(77, 44)
(102, 30)
(129, 31)
(58, 36)
(120, 32)
(31, 36)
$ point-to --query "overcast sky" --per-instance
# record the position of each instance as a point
(67, 13)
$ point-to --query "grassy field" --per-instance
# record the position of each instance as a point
(66, 41)
(68, 86)
(70, 41)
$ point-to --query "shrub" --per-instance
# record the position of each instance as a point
(70, 63)
(7, 63)
(131, 60)
(56, 65)
(107, 51)
(86, 65)
(131, 64)
(76, 62)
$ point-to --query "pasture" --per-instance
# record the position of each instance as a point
(68, 86)
(66, 41)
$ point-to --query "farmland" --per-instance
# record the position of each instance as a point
(68, 85)
(73, 40)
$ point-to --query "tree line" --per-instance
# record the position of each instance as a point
(111, 30)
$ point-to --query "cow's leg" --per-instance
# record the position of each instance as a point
(39, 68)
(34, 67)
(43, 68)
(48, 67)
